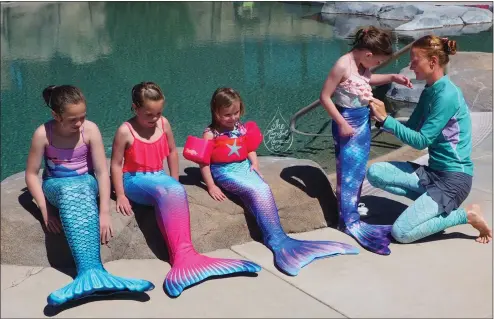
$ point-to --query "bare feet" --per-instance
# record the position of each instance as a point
(478, 222)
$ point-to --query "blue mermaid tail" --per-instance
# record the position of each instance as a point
(169, 199)
(290, 255)
(352, 155)
(75, 198)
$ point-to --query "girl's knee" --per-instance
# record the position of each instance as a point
(173, 187)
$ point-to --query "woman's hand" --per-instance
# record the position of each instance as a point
(403, 80)
(216, 193)
(106, 230)
(123, 206)
(51, 221)
(378, 110)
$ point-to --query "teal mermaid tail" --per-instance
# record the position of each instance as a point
(96, 282)
(290, 255)
(75, 198)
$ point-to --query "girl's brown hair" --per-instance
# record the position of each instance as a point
(223, 98)
(373, 39)
(146, 91)
(435, 46)
(58, 97)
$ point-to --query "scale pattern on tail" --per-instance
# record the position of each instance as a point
(290, 254)
(76, 199)
(169, 199)
(352, 154)
(293, 254)
(196, 268)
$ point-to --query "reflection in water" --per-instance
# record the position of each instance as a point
(268, 51)
(227, 21)
(39, 31)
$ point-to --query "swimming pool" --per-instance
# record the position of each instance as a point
(269, 52)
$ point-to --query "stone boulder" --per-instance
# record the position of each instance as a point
(300, 187)
(418, 16)
(471, 71)
(476, 28)
(421, 21)
(477, 15)
(345, 26)
(357, 8)
(453, 30)
(399, 12)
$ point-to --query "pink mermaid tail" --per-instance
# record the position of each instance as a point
(172, 214)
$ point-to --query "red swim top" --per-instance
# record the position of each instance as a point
(146, 157)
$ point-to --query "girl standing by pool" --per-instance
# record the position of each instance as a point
(345, 96)
(75, 174)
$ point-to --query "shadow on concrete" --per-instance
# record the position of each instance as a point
(238, 274)
(314, 182)
(51, 311)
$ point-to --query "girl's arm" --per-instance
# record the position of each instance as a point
(213, 190)
(100, 166)
(172, 159)
(442, 109)
(334, 78)
(120, 141)
(32, 180)
(252, 156)
(103, 178)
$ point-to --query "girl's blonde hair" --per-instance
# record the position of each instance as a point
(435, 46)
(223, 98)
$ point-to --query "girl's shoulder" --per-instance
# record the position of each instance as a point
(41, 133)
(90, 126)
(166, 124)
(90, 129)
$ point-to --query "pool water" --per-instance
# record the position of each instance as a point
(274, 55)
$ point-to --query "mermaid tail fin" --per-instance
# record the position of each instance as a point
(291, 254)
(194, 268)
(375, 238)
(94, 282)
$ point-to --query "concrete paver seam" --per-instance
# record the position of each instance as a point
(304, 292)
(30, 273)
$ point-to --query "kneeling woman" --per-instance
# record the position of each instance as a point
(440, 122)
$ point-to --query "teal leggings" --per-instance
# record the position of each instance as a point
(424, 217)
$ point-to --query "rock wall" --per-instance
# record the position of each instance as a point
(300, 187)
(407, 19)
